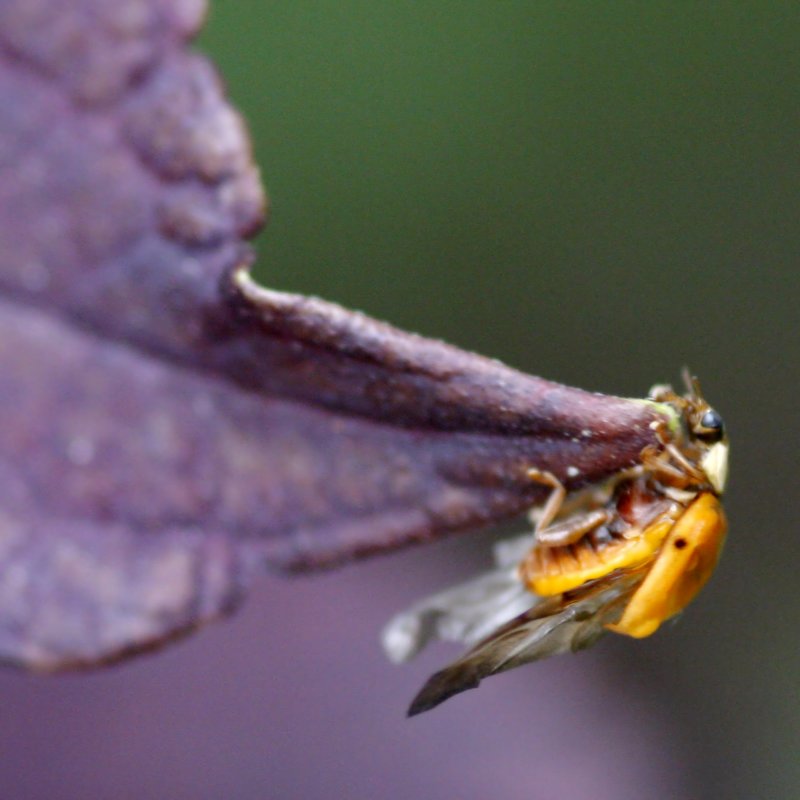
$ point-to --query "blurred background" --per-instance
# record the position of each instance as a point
(598, 193)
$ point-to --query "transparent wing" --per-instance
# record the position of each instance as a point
(465, 613)
(552, 626)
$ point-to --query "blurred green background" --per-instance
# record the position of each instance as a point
(598, 193)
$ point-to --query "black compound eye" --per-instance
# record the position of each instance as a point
(711, 427)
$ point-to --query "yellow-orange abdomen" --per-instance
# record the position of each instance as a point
(552, 570)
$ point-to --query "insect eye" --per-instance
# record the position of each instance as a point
(711, 428)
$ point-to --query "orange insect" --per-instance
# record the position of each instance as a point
(621, 557)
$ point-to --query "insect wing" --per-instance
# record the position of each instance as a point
(553, 626)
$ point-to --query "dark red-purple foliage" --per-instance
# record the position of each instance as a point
(166, 426)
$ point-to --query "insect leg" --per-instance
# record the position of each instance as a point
(572, 529)
(569, 530)
(680, 474)
(690, 468)
(555, 500)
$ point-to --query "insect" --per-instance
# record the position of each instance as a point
(624, 556)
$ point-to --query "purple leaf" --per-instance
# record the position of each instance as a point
(169, 427)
